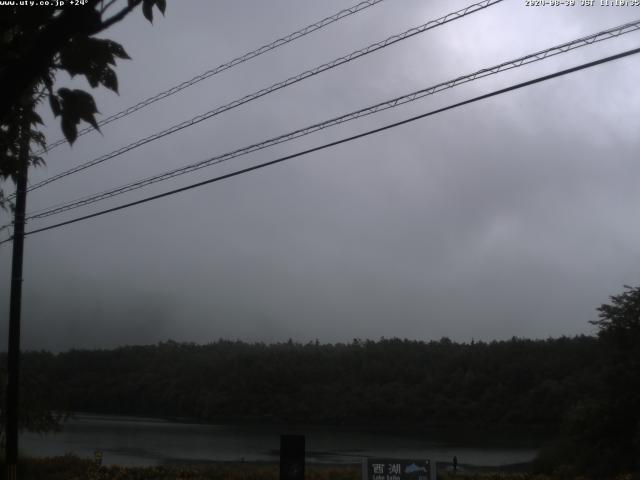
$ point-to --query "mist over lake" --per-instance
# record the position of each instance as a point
(147, 441)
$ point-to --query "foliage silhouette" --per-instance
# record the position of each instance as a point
(601, 432)
(36, 44)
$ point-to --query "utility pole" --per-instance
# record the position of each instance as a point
(13, 360)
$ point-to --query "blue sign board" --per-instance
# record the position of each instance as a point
(396, 469)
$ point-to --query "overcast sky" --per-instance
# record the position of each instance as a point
(515, 216)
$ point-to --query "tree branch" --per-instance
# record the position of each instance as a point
(104, 8)
(119, 16)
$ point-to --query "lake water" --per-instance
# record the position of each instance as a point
(145, 441)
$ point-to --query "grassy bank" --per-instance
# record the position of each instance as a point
(72, 467)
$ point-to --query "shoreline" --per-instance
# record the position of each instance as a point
(536, 432)
(520, 467)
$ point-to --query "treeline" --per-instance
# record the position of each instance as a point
(515, 382)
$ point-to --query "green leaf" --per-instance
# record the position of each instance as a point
(147, 9)
(69, 129)
(36, 161)
(33, 117)
(117, 50)
(109, 79)
(92, 58)
(88, 117)
(76, 105)
(93, 77)
(38, 138)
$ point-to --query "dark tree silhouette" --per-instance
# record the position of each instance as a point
(35, 44)
(601, 433)
(617, 419)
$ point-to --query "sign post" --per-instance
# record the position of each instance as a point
(292, 453)
(396, 469)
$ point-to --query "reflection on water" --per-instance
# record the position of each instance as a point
(147, 441)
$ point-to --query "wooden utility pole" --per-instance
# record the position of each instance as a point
(13, 360)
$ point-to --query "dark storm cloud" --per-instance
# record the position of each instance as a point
(507, 217)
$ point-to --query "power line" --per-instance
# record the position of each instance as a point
(344, 140)
(392, 103)
(225, 66)
(277, 86)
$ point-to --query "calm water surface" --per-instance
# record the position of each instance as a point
(145, 441)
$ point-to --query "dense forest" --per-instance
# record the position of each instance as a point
(400, 382)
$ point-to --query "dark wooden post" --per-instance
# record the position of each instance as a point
(292, 457)
(13, 359)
